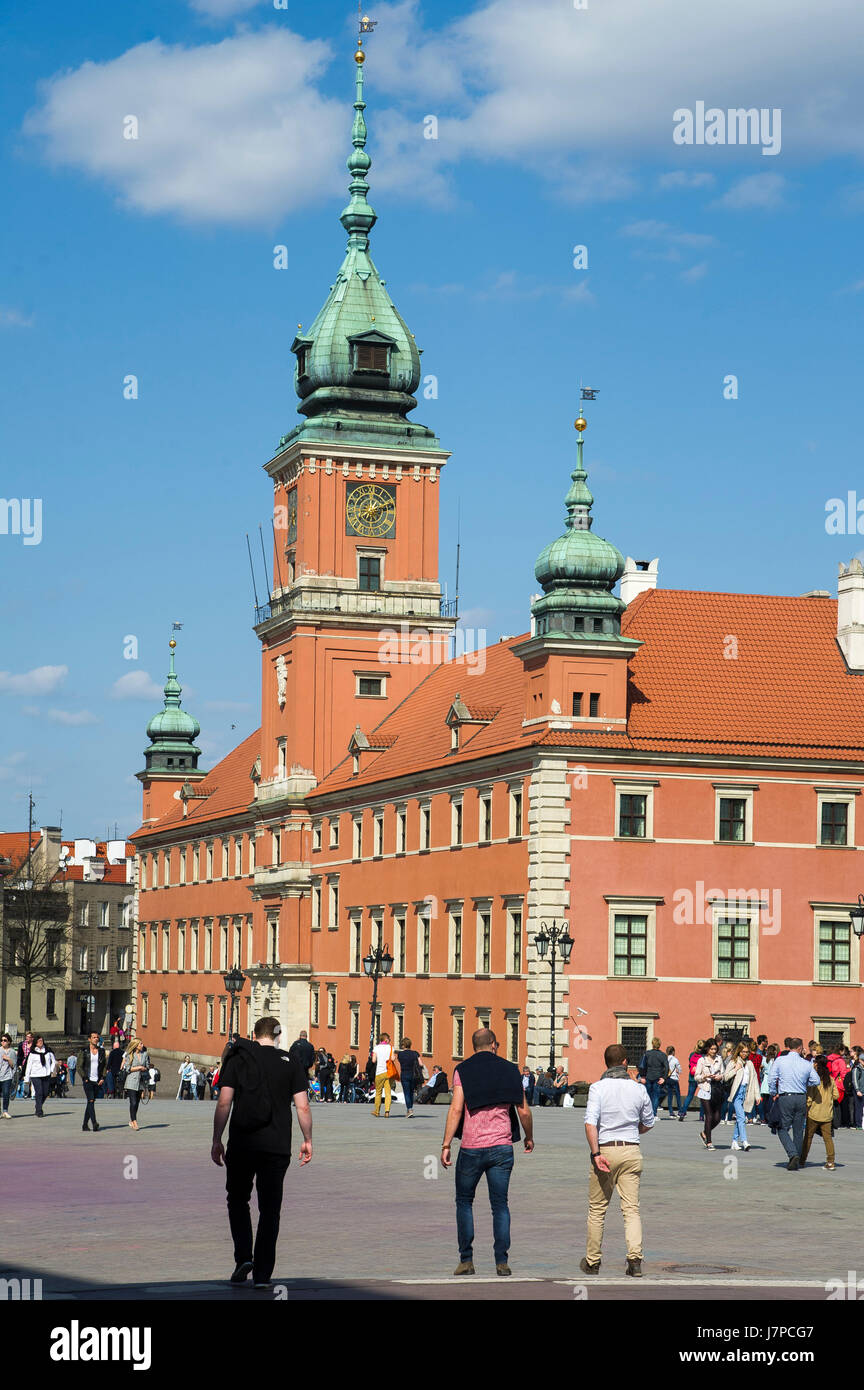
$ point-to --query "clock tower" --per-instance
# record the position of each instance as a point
(356, 616)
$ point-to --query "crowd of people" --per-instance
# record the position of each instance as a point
(346, 1082)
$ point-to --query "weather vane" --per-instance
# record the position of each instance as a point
(367, 25)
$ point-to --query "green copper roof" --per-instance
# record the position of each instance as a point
(578, 571)
(172, 731)
(341, 398)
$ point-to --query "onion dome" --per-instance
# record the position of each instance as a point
(578, 571)
(358, 365)
(172, 732)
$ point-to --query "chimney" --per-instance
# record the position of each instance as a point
(638, 576)
(50, 847)
(850, 614)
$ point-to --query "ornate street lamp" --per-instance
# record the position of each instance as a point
(856, 916)
(378, 962)
(550, 940)
(234, 982)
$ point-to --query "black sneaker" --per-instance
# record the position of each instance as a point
(242, 1272)
(634, 1267)
(589, 1269)
(793, 1165)
(96, 1129)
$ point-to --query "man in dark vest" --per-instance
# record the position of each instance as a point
(487, 1106)
(302, 1051)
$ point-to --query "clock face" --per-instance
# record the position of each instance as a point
(370, 510)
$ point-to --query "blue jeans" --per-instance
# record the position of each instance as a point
(653, 1089)
(5, 1093)
(673, 1096)
(793, 1114)
(691, 1091)
(408, 1093)
(738, 1107)
(72, 1076)
(497, 1163)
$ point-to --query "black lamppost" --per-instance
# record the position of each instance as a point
(378, 962)
(549, 941)
(856, 916)
(234, 982)
(91, 980)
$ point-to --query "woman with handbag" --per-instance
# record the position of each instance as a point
(137, 1067)
(740, 1075)
(821, 1100)
(386, 1072)
(709, 1088)
(409, 1067)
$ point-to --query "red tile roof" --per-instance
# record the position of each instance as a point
(230, 791)
(13, 845)
(114, 873)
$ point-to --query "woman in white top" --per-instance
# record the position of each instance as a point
(186, 1072)
(40, 1064)
(383, 1054)
(709, 1069)
(744, 1092)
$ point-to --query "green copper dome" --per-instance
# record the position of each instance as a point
(578, 571)
(172, 732)
(358, 364)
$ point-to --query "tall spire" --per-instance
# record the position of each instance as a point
(172, 732)
(358, 218)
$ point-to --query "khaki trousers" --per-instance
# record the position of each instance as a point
(382, 1083)
(625, 1165)
(824, 1127)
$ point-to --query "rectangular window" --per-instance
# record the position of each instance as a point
(425, 826)
(223, 1016)
(835, 817)
(331, 1006)
(378, 836)
(166, 948)
(593, 706)
(631, 944)
(398, 1026)
(733, 949)
(485, 819)
(428, 1033)
(401, 829)
(209, 862)
(226, 858)
(370, 685)
(103, 915)
(513, 1039)
(194, 1013)
(733, 818)
(210, 1019)
(515, 814)
(333, 884)
(334, 832)
(358, 837)
(238, 857)
(484, 943)
(515, 943)
(635, 1043)
(208, 947)
(456, 823)
(145, 1010)
(577, 703)
(182, 869)
(830, 1040)
(632, 816)
(835, 952)
(372, 357)
(223, 944)
(458, 1035)
(369, 572)
(316, 906)
(313, 1006)
(273, 925)
(356, 965)
(355, 1025)
(399, 946)
(181, 948)
(277, 847)
(184, 1012)
(238, 942)
(83, 914)
(251, 854)
(154, 947)
(50, 1003)
(455, 943)
(122, 959)
(424, 951)
(142, 949)
(164, 1010)
(193, 947)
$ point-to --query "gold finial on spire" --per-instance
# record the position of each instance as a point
(581, 423)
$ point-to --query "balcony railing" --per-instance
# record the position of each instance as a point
(374, 603)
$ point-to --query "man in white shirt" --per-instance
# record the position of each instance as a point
(383, 1054)
(618, 1111)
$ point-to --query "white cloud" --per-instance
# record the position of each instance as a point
(13, 318)
(237, 131)
(222, 9)
(231, 132)
(71, 718)
(681, 179)
(695, 272)
(755, 191)
(136, 685)
(40, 681)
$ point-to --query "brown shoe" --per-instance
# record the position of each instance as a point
(503, 1269)
(589, 1269)
(464, 1267)
(634, 1267)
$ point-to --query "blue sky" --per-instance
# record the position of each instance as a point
(155, 258)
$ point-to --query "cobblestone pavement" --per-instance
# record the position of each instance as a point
(121, 1214)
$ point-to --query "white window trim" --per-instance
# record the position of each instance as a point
(401, 827)
(457, 816)
(646, 1021)
(333, 900)
(484, 794)
(455, 910)
(834, 1025)
(735, 794)
(849, 799)
(423, 921)
(515, 789)
(378, 835)
(357, 837)
(510, 908)
(317, 835)
(332, 1006)
(400, 918)
(836, 915)
(634, 907)
(427, 1016)
(636, 789)
(314, 1006)
(425, 806)
(355, 942)
(370, 676)
(482, 907)
(333, 832)
(719, 909)
(315, 904)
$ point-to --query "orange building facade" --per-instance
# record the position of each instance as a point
(675, 774)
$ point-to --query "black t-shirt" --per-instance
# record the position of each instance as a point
(115, 1060)
(408, 1061)
(303, 1052)
(284, 1078)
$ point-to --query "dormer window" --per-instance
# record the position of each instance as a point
(371, 357)
(302, 357)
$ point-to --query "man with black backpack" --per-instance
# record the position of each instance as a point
(261, 1081)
